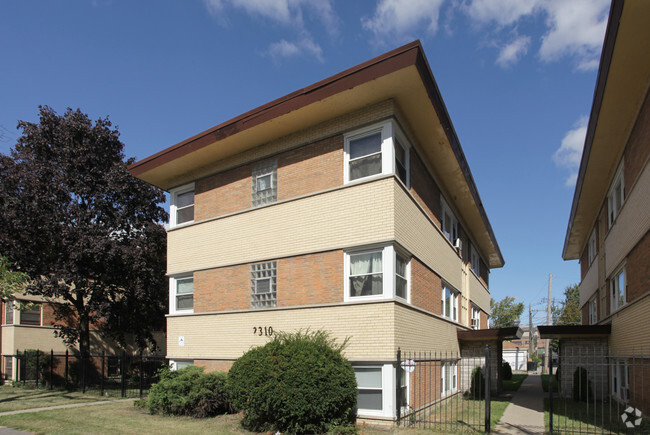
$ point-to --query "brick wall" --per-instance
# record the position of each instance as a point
(214, 365)
(637, 269)
(637, 150)
(426, 288)
(222, 289)
(48, 315)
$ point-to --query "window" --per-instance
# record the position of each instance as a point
(449, 378)
(475, 260)
(9, 367)
(377, 273)
(370, 388)
(404, 392)
(620, 379)
(177, 364)
(449, 302)
(9, 313)
(616, 196)
(263, 285)
(449, 223)
(264, 183)
(593, 310)
(375, 150)
(31, 316)
(182, 295)
(591, 247)
(617, 289)
(182, 205)
(476, 317)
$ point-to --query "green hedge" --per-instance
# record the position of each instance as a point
(189, 392)
(296, 383)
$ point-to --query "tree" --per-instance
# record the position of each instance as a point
(567, 312)
(87, 232)
(11, 281)
(505, 312)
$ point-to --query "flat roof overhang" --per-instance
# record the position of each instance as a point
(574, 331)
(402, 75)
(621, 88)
(499, 334)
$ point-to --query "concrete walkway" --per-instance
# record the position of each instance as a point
(525, 414)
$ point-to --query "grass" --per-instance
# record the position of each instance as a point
(17, 398)
(570, 416)
(514, 383)
(545, 383)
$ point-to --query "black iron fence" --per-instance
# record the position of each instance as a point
(596, 391)
(123, 374)
(448, 392)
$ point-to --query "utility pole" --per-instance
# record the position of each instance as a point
(531, 347)
(547, 347)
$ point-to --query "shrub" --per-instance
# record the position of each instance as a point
(190, 392)
(506, 371)
(296, 383)
(477, 389)
(582, 390)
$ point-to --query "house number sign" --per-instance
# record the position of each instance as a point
(263, 330)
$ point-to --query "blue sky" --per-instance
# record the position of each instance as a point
(517, 77)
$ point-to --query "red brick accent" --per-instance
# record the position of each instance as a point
(424, 188)
(214, 366)
(585, 314)
(426, 288)
(637, 149)
(48, 315)
(222, 289)
(637, 269)
(485, 320)
(310, 168)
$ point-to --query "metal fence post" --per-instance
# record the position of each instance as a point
(51, 367)
(38, 354)
(66, 368)
(101, 379)
(550, 392)
(123, 373)
(83, 373)
(398, 393)
(488, 382)
(141, 374)
(24, 367)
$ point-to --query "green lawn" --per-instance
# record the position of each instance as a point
(545, 383)
(15, 398)
(514, 383)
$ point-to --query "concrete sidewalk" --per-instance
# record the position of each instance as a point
(525, 414)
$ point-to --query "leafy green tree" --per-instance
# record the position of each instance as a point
(505, 312)
(11, 281)
(85, 230)
(567, 312)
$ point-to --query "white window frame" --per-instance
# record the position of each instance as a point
(620, 384)
(615, 290)
(453, 315)
(390, 132)
(173, 286)
(448, 366)
(10, 307)
(389, 270)
(617, 187)
(475, 259)
(593, 310)
(388, 387)
(592, 247)
(173, 198)
(452, 235)
(177, 364)
(476, 317)
(32, 309)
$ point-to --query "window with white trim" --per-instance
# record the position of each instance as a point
(31, 316)
(370, 388)
(620, 381)
(263, 285)
(475, 261)
(449, 222)
(181, 209)
(449, 378)
(181, 294)
(591, 247)
(593, 310)
(616, 196)
(264, 183)
(476, 317)
(376, 150)
(9, 368)
(9, 312)
(177, 364)
(377, 273)
(617, 287)
(449, 302)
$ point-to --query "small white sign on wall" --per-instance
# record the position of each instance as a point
(181, 340)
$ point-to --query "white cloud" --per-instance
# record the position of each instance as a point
(284, 49)
(396, 19)
(570, 152)
(577, 29)
(512, 52)
(503, 12)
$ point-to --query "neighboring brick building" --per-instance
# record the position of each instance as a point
(610, 216)
(346, 206)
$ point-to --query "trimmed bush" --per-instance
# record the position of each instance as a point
(477, 389)
(582, 390)
(189, 392)
(506, 371)
(296, 383)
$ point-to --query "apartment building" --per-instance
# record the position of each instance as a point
(346, 206)
(610, 214)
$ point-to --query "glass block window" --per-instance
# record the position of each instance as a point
(265, 183)
(263, 285)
